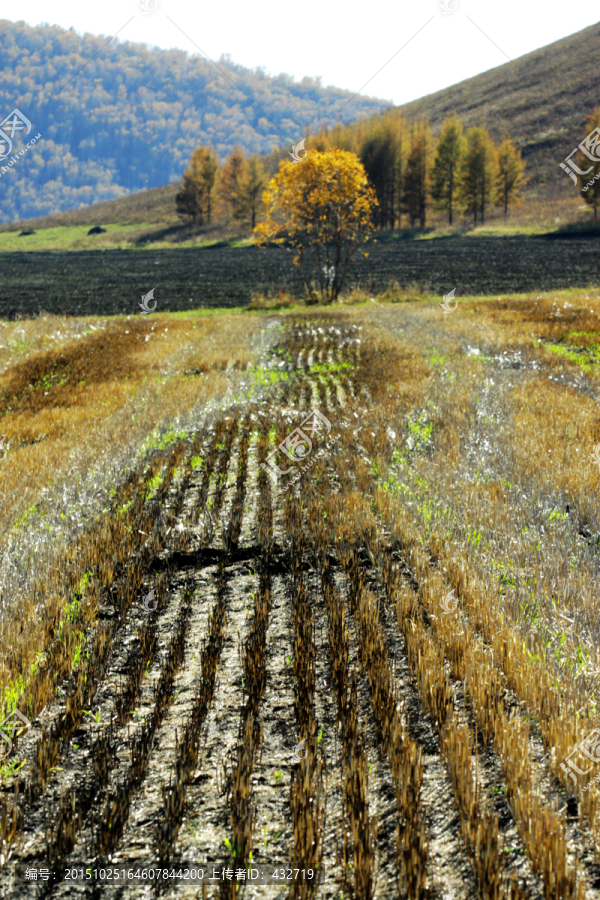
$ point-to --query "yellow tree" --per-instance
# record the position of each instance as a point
(448, 152)
(509, 176)
(199, 178)
(477, 172)
(231, 178)
(250, 193)
(323, 208)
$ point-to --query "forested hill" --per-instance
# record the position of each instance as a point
(131, 117)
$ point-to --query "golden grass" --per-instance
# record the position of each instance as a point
(69, 414)
(476, 506)
(465, 445)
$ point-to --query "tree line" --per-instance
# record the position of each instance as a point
(236, 187)
(460, 173)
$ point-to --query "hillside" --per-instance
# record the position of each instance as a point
(542, 99)
(128, 119)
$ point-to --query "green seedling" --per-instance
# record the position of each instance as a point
(320, 735)
(277, 777)
(231, 847)
(12, 768)
(265, 839)
(97, 716)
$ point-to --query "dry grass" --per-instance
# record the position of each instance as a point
(440, 486)
(121, 385)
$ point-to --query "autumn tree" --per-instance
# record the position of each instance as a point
(381, 155)
(510, 176)
(589, 184)
(195, 197)
(250, 193)
(477, 173)
(448, 153)
(415, 182)
(186, 201)
(232, 176)
(323, 208)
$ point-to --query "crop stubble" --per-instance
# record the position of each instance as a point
(312, 614)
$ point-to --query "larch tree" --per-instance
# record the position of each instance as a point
(510, 175)
(415, 181)
(231, 178)
(250, 193)
(208, 169)
(381, 155)
(323, 208)
(186, 201)
(589, 184)
(199, 178)
(444, 178)
(477, 173)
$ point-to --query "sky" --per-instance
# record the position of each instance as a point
(397, 51)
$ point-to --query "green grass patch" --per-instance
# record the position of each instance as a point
(573, 355)
(267, 377)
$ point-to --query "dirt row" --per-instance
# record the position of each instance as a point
(268, 632)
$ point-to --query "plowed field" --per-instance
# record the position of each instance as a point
(370, 667)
